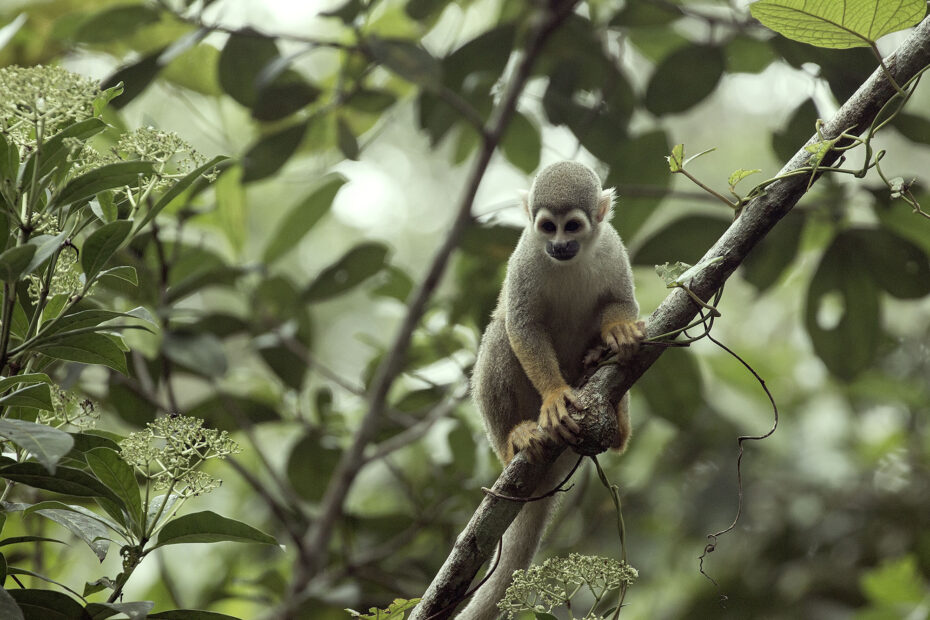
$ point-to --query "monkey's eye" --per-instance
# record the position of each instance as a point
(548, 226)
(572, 226)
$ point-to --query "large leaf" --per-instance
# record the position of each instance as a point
(119, 477)
(406, 59)
(896, 264)
(89, 529)
(67, 480)
(115, 22)
(8, 607)
(199, 352)
(302, 218)
(101, 245)
(47, 605)
(36, 396)
(241, 61)
(14, 261)
(270, 152)
(89, 348)
(231, 412)
(103, 178)
(842, 286)
(356, 266)
(310, 466)
(684, 78)
(522, 143)
(838, 24)
(137, 610)
(45, 443)
(686, 239)
(190, 614)
(209, 527)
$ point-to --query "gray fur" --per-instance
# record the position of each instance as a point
(553, 308)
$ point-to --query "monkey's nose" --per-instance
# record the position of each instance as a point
(562, 251)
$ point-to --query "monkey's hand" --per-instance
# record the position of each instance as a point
(624, 337)
(526, 437)
(553, 415)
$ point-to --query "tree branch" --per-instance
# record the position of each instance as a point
(479, 538)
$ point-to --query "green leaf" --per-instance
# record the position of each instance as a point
(406, 59)
(356, 266)
(101, 245)
(14, 261)
(281, 93)
(396, 284)
(87, 348)
(90, 318)
(896, 264)
(67, 480)
(371, 101)
(676, 160)
(104, 178)
(178, 188)
(137, 610)
(346, 140)
(241, 61)
(894, 582)
(738, 175)
(47, 605)
(842, 310)
(209, 527)
(771, 256)
(686, 239)
(46, 245)
(310, 466)
(201, 353)
(9, 164)
(36, 396)
(117, 22)
(90, 530)
(796, 132)
(303, 217)
(522, 144)
(121, 272)
(190, 614)
(684, 78)
(8, 607)
(838, 24)
(35, 377)
(290, 367)
(119, 477)
(673, 387)
(48, 445)
(269, 153)
(231, 412)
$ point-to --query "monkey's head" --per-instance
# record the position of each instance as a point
(566, 206)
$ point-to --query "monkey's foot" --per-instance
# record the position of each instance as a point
(624, 337)
(594, 355)
(553, 415)
(526, 437)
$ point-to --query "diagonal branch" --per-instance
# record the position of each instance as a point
(479, 538)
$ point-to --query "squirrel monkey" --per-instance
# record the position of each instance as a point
(569, 288)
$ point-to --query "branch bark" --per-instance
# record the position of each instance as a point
(478, 540)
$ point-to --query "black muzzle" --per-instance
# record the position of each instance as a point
(562, 251)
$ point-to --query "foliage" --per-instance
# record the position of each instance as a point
(150, 283)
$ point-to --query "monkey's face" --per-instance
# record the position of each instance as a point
(563, 233)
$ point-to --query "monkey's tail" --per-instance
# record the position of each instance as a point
(521, 541)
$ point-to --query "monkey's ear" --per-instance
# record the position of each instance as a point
(605, 205)
(525, 201)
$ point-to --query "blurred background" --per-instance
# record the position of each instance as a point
(351, 154)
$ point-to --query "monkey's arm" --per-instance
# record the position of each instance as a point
(533, 347)
(620, 329)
